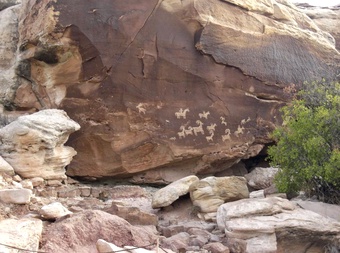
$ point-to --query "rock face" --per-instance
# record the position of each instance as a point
(34, 144)
(165, 89)
(328, 19)
(277, 225)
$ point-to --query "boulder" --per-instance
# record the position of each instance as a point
(80, 232)
(276, 225)
(324, 209)
(34, 144)
(53, 211)
(133, 214)
(216, 247)
(15, 196)
(177, 242)
(22, 234)
(211, 192)
(261, 178)
(166, 88)
(6, 167)
(167, 195)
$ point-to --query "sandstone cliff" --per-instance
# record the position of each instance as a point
(162, 89)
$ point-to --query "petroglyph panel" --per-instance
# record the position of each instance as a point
(207, 125)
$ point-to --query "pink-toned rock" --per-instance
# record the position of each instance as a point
(80, 232)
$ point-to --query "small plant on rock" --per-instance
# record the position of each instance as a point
(308, 143)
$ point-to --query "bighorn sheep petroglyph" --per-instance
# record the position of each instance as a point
(227, 135)
(199, 128)
(182, 133)
(223, 122)
(210, 138)
(182, 113)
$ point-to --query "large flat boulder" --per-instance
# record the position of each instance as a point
(277, 225)
(166, 89)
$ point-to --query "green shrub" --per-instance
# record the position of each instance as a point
(308, 143)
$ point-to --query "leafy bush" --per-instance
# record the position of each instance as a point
(308, 143)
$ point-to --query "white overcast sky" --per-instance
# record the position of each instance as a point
(318, 2)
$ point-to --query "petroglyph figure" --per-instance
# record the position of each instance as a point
(181, 134)
(204, 114)
(244, 121)
(211, 128)
(239, 131)
(188, 131)
(182, 113)
(223, 122)
(199, 128)
(227, 135)
(173, 138)
(140, 108)
(210, 138)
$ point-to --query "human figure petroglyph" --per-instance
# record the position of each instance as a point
(210, 138)
(199, 128)
(239, 131)
(204, 114)
(140, 108)
(211, 128)
(223, 122)
(227, 135)
(182, 113)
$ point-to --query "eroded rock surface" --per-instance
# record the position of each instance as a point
(211, 192)
(328, 19)
(34, 144)
(277, 225)
(166, 89)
